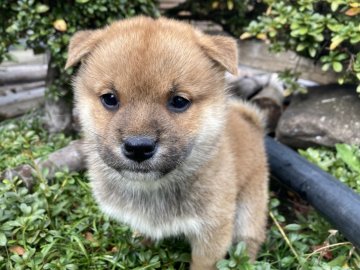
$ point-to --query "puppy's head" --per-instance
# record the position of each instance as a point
(150, 93)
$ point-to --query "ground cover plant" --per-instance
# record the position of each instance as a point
(57, 225)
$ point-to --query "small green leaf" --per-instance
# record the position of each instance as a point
(303, 30)
(334, 6)
(342, 56)
(41, 8)
(312, 52)
(25, 208)
(300, 47)
(240, 248)
(222, 264)
(287, 261)
(337, 66)
(80, 244)
(325, 67)
(347, 155)
(340, 260)
(3, 239)
(293, 227)
(232, 263)
(335, 27)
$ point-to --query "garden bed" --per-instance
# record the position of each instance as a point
(59, 226)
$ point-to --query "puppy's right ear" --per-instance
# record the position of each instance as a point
(81, 44)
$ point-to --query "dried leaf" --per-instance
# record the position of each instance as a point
(60, 25)
(245, 35)
(89, 236)
(261, 36)
(114, 250)
(215, 4)
(17, 250)
(325, 252)
(353, 11)
(336, 42)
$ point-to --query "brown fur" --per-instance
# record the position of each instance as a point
(208, 179)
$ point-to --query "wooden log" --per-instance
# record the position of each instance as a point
(16, 88)
(335, 201)
(20, 103)
(70, 157)
(25, 57)
(23, 73)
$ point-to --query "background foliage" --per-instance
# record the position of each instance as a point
(48, 25)
(232, 15)
(327, 31)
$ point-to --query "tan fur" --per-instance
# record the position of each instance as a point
(208, 178)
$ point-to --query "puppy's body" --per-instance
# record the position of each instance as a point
(207, 175)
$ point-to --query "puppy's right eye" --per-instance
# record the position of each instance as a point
(178, 104)
(110, 101)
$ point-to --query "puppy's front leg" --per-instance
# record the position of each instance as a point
(210, 247)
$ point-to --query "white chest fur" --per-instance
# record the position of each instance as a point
(153, 226)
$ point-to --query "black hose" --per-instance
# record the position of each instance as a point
(338, 203)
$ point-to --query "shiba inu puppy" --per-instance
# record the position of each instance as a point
(168, 151)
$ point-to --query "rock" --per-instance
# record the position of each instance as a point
(263, 89)
(327, 115)
(245, 87)
(270, 101)
(256, 54)
(58, 116)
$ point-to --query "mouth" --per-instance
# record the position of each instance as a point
(139, 170)
(161, 163)
(121, 165)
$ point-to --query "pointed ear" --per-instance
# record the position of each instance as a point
(222, 50)
(82, 43)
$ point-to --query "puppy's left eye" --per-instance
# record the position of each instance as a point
(178, 104)
(109, 101)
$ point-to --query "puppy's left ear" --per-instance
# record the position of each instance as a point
(81, 44)
(222, 50)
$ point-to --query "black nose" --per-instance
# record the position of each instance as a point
(139, 148)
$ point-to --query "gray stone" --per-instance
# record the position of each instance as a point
(327, 115)
(58, 115)
(256, 54)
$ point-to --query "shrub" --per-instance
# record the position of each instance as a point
(327, 31)
(232, 15)
(48, 26)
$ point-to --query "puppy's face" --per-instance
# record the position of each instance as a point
(150, 93)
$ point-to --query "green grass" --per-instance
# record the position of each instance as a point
(58, 225)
